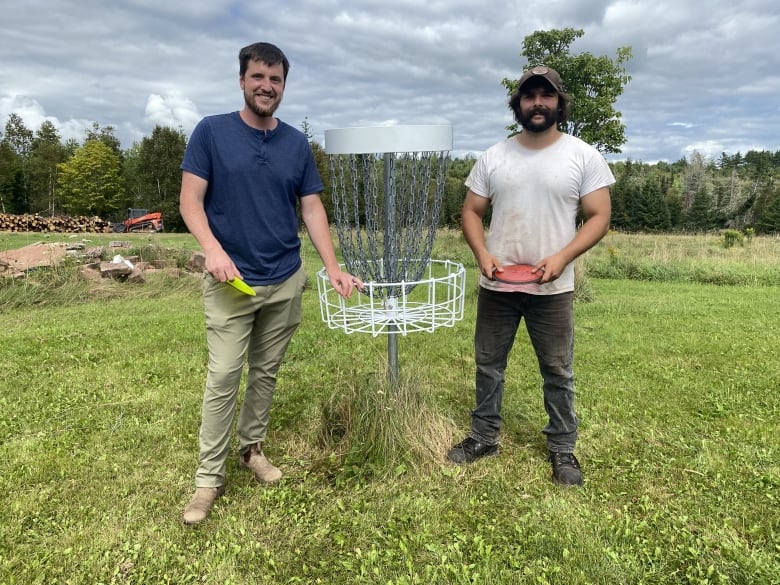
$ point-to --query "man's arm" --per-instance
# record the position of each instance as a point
(597, 208)
(316, 220)
(193, 194)
(472, 214)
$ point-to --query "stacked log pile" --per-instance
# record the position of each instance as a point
(64, 224)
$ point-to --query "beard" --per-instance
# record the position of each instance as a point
(550, 119)
(265, 111)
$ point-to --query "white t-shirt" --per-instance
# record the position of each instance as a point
(535, 196)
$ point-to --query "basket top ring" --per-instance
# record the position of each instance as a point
(363, 140)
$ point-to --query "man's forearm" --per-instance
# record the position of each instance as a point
(590, 234)
(474, 233)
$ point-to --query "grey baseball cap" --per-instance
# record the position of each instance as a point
(551, 75)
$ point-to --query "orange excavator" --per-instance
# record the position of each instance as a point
(140, 220)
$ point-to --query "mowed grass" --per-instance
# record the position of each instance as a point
(677, 384)
(13, 240)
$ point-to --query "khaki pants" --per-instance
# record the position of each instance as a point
(242, 328)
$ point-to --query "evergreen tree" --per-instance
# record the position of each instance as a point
(46, 153)
(769, 222)
(700, 216)
(14, 167)
(763, 208)
(12, 199)
(655, 213)
(674, 205)
(323, 167)
(619, 194)
(633, 205)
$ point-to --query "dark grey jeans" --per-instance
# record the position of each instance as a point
(549, 320)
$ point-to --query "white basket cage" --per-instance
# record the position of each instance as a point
(434, 301)
(389, 245)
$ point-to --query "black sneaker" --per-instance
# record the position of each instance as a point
(469, 450)
(565, 469)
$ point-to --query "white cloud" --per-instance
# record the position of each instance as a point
(702, 77)
(172, 110)
(710, 149)
(24, 106)
(33, 115)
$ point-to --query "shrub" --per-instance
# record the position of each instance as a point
(732, 237)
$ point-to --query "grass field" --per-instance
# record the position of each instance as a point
(677, 377)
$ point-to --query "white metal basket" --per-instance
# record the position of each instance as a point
(434, 301)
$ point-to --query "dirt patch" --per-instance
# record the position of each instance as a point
(33, 256)
(19, 262)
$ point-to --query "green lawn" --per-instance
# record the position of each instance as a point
(677, 394)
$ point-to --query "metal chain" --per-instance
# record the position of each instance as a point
(416, 181)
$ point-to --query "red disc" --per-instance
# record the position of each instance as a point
(518, 274)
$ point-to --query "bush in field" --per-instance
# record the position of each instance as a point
(732, 238)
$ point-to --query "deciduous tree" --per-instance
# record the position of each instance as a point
(106, 136)
(89, 182)
(593, 83)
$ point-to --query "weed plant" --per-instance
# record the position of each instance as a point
(100, 397)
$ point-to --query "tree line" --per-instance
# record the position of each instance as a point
(39, 173)
(42, 174)
(698, 194)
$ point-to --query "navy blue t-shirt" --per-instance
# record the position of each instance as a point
(254, 179)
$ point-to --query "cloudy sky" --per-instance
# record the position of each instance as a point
(706, 73)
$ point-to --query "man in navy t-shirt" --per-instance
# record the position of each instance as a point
(244, 175)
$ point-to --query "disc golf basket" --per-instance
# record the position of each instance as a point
(388, 186)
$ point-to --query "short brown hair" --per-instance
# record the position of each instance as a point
(265, 52)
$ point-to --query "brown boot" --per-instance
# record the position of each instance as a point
(201, 503)
(254, 460)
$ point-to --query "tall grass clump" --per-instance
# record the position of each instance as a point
(50, 286)
(379, 427)
(583, 292)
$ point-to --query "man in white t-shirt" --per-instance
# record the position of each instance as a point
(536, 181)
